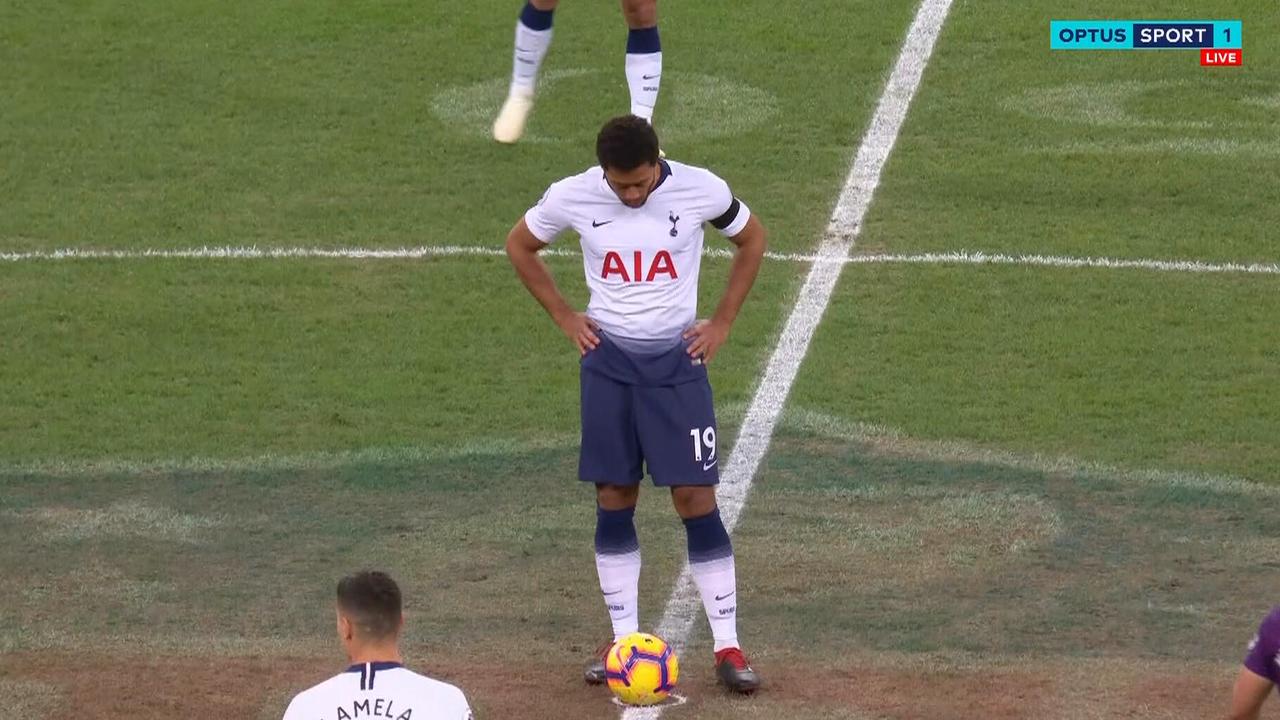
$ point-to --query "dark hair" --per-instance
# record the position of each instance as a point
(371, 600)
(627, 142)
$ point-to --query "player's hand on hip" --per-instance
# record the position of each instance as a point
(581, 331)
(705, 339)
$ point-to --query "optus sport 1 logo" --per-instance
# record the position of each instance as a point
(1220, 42)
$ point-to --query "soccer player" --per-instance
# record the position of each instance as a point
(533, 37)
(646, 400)
(376, 684)
(1261, 670)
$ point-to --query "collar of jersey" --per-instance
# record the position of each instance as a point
(663, 174)
(377, 666)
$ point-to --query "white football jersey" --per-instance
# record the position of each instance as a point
(641, 263)
(379, 690)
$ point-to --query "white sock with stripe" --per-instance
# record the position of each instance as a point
(711, 564)
(533, 38)
(644, 70)
(618, 565)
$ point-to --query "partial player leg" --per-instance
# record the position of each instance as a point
(711, 564)
(533, 37)
(618, 565)
(710, 560)
(610, 458)
(677, 429)
(618, 556)
(644, 55)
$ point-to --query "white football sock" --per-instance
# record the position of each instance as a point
(644, 76)
(530, 48)
(620, 586)
(717, 584)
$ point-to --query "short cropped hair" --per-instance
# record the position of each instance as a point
(627, 142)
(371, 600)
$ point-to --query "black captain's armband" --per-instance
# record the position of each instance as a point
(728, 217)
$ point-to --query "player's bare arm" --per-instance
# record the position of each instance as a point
(706, 336)
(522, 249)
(1250, 691)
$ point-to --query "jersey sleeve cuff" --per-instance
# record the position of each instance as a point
(535, 227)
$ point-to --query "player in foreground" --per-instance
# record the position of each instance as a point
(376, 684)
(1261, 670)
(646, 399)
(533, 37)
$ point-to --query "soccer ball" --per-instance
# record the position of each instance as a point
(641, 669)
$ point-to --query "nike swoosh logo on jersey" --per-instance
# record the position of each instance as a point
(721, 597)
(595, 224)
(708, 466)
(650, 77)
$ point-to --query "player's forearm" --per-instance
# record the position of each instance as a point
(1248, 695)
(1246, 713)
(537, 279)
(742, 275)
(1248, 707)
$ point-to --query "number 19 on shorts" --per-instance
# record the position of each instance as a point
(703, 438)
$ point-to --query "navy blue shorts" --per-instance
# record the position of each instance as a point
(646, 412)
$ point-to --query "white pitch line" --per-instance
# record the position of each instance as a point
(846, 222)
(256, 253)
(962, 257)
(1060, 261)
